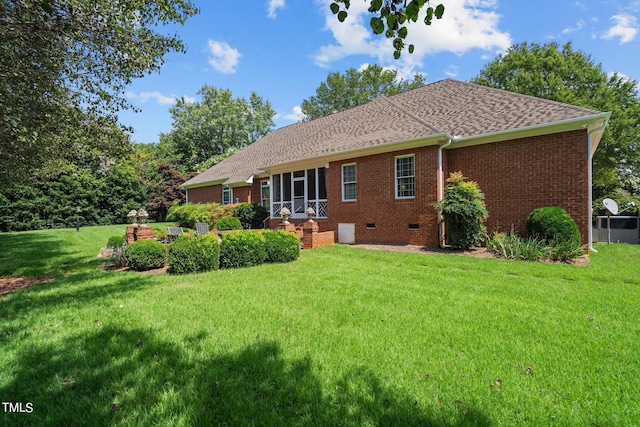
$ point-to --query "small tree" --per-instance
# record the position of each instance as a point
(463, 212)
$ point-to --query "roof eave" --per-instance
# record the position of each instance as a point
(584, 122)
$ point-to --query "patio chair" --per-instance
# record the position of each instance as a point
(202, 228)
(174, 232)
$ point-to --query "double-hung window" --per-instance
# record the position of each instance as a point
(349, 181)
(405, 181)
(227, 195)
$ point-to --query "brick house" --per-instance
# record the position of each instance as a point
(372, 173)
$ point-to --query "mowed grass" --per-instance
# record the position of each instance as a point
(343, 336)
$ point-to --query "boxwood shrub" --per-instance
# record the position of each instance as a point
(552, 224)
(229, 223)
(281, 245)
(194, 254)
(242, 249)
(116, 241)
(145, 255)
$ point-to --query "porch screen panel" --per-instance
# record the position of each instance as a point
(286, 184)
(311, 184)
(277, 189)
(322, 185)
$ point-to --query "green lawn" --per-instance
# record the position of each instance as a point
(343, 336)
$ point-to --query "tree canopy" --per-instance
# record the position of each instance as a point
(391, 16)
(569, 76)
(214, 127)
(343, 91)
(64, 66)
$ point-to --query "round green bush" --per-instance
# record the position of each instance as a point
(281, 246)
(552, 224)
(229, 223)
(145, 255)
(194, 254)
(116, 242)
(242, 249)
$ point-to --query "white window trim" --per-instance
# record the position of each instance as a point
(396, 177)
(355, 182)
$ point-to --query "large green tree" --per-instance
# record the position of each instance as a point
(64, 65)
(390, 17)
(214, 127)
(566, 75)
(343, 91)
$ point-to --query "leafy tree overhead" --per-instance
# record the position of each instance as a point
(215, 126)
(343, 91)
(69, 62)
(564, 75)
(391, 16)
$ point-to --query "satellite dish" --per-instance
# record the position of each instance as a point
(611, 206)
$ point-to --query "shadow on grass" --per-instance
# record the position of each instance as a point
(133, 377)
(37, 254)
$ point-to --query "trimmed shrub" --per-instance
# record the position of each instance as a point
(194, 254)
(242, 249)
(145, 255)
(281, 245)
(188, 214)
(251, 215)
(463, 211)
(228, 223)
(116, 245)
(552, 224)
(116, 241)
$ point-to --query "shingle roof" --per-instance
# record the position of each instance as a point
(446, 107)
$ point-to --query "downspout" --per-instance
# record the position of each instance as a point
(590, 154)
(441, 189)
(186, 195)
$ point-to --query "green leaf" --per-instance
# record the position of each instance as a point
(375, 5)
(377, 25)
(402, 32)
(429, 17)
(342, 15)
(396, 54)
(46, 6)
(439, 11)
(411, 48)
(334, 8)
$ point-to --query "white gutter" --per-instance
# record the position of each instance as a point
(591, 151)
(440, 196)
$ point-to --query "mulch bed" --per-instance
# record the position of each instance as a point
(10, 284)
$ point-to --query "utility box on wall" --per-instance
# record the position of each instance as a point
(347, 233)
(624, 229)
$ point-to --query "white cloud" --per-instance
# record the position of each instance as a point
(273, 7)
(466, 25)
(578, 27)
(452, 71)
(224, 58)
(296, 114)
(160, 98)
(626, 28)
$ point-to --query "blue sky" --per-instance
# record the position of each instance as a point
(284, 49)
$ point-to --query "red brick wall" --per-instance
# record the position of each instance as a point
(208, 194)
(376, 202)
(213, 193)
(521, 175)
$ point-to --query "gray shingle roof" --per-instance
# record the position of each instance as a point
(446, 107)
